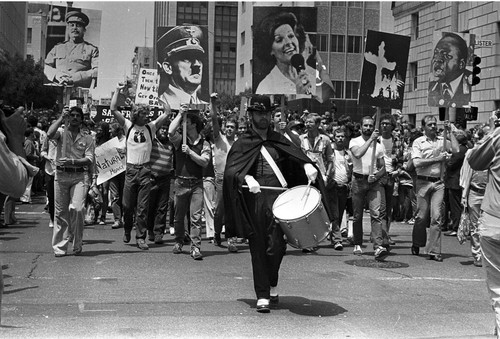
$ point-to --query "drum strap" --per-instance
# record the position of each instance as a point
(273, 165)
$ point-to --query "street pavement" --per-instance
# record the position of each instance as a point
(115, 290)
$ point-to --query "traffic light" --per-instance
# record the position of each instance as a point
(476, 70)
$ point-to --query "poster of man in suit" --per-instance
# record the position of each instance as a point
(450, 72)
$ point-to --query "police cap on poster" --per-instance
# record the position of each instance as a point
(180, 38)
(75, 16)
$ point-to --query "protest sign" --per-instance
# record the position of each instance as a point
(108, 161)
(147, 87)
(103, 113)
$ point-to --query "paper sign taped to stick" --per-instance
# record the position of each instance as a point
(109, 162)
(147, 87)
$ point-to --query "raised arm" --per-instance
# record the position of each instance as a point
(166, 114)
(213, 114)
(114, 104)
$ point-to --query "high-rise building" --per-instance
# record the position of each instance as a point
(221, 19)
(420, 20)
(340, 36)
(143, 58)
(36, 35)
(13, 18)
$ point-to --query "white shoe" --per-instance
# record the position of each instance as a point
(172, 231)
(51, 224)
(357, 250)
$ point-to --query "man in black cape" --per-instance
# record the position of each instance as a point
(248, 210)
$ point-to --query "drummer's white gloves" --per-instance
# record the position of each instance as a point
(311, 172)
(253, 185)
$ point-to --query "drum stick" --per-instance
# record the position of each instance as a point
(271, 188)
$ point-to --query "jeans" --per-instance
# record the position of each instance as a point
(429, 214)
(136, 199)
(337, 198)
(188, 195)
(374, 193)
(70, 193)
(158, 205)
(49, 179)
(388, 186)
(454, 198)
(116, 185)
(209, 201)
(489, 229)
(474, 205)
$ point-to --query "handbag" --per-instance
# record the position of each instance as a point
(464, 226)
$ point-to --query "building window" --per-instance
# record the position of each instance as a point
(353, 44)
(243, 7)
(337, 44)
(351, 89)
(414, 26)
(242, 70)
(338, 3)
(413, 76)
(338, 87)
(242, 38)
(192, 12)
(29, 35)
(322, 42)
(358, 4)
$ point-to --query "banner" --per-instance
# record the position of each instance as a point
(72, 47)
(182, 54)
(450, 75)
(147, 87)
(103, 113)
(284, 57)
(108, 162)
(384, 70)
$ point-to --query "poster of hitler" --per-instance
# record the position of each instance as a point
(284, 56)
(384, 70)
(72, 47)
(450, 74)
(182, 54)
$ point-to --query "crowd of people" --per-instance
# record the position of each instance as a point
(220, 168)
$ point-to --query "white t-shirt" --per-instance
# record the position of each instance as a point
(362, 165)
(139, 143)
(340, 164)
(388, 154)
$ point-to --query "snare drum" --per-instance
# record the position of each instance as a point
(302, 216)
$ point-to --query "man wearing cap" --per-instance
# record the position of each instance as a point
(181, 56)
(73, 62)
(248, 210)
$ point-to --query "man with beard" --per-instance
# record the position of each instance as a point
(73, 62)
(429, 155)
(162, 158)
(368, 186)
(249, 209)
(449, 85)
(181, 56)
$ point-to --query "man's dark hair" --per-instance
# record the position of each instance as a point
(29, 131)
(390, 118)
(195, 119)
(32, 121)
(136, 109)
(427, 117)
(77, 110)
(233, 119)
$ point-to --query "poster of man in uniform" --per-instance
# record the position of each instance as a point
(384, 70)
(182, 54)
(450, 72)
(73, 57)
(284, 57)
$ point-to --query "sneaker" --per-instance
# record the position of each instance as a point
(357, 250)
(126, 238)
(177, 249)
(478, 263)
(381, 253)
(232, 248)
(51, 224)
(337, 246)
(141, 244)
(196, 254)
(310, 249)
(274, 295)
(172, 231)
(159, 239)
(59, 255)
(116, 224)
(411, 221)
(263, 306)
(102, 222)
(451, 233)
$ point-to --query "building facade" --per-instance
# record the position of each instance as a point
(36, 36)
(13, 18)
(420, 20)
(221, 19)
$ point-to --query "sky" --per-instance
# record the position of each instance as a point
(124, 25)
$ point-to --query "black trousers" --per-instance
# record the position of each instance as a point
(267, 244)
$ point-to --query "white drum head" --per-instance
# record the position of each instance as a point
(296, 203)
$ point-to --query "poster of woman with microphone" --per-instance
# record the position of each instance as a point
(284, 59)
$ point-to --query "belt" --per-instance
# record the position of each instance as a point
(477, 190)
(70, 169)
(188, 178)
(138, 165)
(360, 176)
(431, 179)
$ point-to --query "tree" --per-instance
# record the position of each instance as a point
(25, 85)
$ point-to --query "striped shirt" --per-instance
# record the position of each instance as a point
(161, 159)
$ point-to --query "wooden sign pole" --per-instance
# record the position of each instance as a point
(374, 150)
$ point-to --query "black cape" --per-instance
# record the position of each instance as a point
(240, 160)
